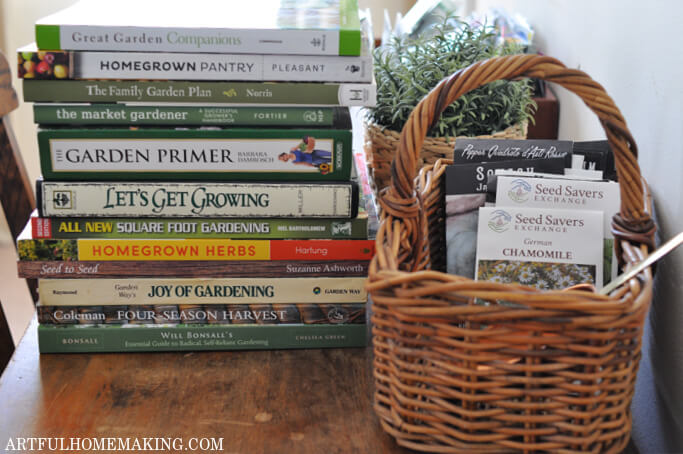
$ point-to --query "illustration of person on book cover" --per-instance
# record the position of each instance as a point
(306, 154)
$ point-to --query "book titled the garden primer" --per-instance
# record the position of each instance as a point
(540, 247)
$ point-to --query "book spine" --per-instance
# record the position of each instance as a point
(197, 200)
(177, 154)
(74, 269)
(205, 115)
(108, 292)
(200, 314)
(205, 40)
(228, 93)
(74, 228)
(78, 65)
(193, 249)
(148, 338)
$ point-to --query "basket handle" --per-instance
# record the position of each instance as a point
(632, 223)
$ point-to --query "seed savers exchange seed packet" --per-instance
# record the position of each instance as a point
(553, 192)
(540, 247)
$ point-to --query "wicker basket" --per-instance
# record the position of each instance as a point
(554, 372)
(381, 146)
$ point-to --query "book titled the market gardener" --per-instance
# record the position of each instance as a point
(235, 154)
(127, 114)
(330, 27)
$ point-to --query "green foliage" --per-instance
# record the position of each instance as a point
(48, 250)
(407, 69)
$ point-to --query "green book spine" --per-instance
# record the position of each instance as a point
(202, 314)
(262, 27)
(236, 154)
(160, 338)
(270, 93)
(74, 228)
(205, 115)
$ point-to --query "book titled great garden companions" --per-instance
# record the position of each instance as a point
(540, 247)
(311, 27)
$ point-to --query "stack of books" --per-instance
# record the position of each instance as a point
(196, 189)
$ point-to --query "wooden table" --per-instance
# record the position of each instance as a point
(280, 402)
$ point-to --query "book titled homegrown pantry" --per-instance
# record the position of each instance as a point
(540, 247)
(330, 27)
(76, 65)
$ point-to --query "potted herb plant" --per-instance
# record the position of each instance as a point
(407, 69)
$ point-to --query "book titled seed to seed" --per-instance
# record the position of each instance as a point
(540, 247)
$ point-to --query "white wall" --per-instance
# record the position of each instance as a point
(633, 48)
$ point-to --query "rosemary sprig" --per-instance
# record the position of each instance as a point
(406, 69)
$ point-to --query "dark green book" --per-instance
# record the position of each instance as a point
(235, 154)
(163, 338)
(284, 228)
(202, 314)
(267, 93)
(189, 115)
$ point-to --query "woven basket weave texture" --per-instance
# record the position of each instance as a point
(381, 146)
(466, 366)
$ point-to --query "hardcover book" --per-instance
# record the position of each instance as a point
(107, 292)
(235, 154)
(466, 188)
(189, 115)
(36, 268)
(77, 65)
(330, 27)
(150, 228)
(219, 92)
(184, 337)
(540, 247)
(568, 194)
(226, 314)
(200, 200)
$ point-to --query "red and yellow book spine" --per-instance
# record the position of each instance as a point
(221, 249)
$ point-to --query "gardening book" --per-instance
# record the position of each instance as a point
(540, 247)
(193, 337)
(234, 154)
(132, 114)
(33, 267)
(330, 27)
(551, 192)
(216, 92)
(108, 292)
(196, 249)
(76, 65)
(466, 188)
(199, 200)
(275, 228)
(234, 314)
(468, 150)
